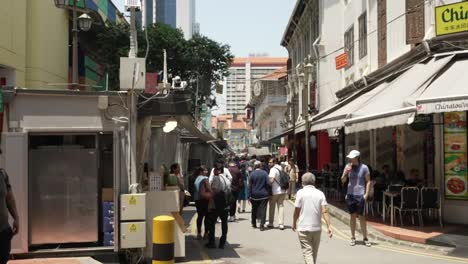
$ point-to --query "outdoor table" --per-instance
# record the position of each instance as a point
(392, 195)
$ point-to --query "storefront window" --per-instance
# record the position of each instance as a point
(455, 156)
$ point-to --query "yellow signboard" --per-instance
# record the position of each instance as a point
(451, 18)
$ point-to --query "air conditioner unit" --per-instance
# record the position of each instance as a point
(132, 3)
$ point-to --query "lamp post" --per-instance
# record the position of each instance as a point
(308, 71)
(84, 22)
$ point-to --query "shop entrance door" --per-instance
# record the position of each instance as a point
(63, 184)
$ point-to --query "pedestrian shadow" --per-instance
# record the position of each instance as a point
(229, 251)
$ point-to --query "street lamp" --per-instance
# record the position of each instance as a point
(308, 71)
(61, 3)
(85, 23)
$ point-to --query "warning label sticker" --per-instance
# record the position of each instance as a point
(132, 200)
(132, 228)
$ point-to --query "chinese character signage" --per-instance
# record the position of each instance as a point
(451, 18)
(455, 156)
(341, 61)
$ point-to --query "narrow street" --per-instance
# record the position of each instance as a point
(247, 245)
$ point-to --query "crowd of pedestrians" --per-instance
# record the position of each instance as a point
(266, 184)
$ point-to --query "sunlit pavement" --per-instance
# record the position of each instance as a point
(247, 245)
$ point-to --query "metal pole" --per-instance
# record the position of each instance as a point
(294, 153)
(133, 184)
(307, 125)
(75, 48)
(196, 103)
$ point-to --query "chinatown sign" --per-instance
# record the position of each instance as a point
(441, 107)
(451, 18)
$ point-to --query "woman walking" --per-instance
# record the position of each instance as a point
(244, 192)
(175, 169)
(202, 197)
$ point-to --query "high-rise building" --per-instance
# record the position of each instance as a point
(176, 13)
(243, 72)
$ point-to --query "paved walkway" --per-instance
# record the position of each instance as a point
(56, 261)
(247, 245)
(452, 239)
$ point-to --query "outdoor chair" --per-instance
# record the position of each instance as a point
(430, 202)
(370, 203)
(409, 203)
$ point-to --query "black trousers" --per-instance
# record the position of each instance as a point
(202, 212)
(259, 208)
(5, 245)
(212, 217)
(233, 206)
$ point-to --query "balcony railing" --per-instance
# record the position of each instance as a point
(269, 102)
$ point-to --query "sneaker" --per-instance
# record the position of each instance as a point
(281, 227)
(232, 218)
(353, 242)
(270, 226)
(254, 226)
(262, 228)
(367, 242)
(218, 221)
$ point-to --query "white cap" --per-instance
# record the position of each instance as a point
(353, 154)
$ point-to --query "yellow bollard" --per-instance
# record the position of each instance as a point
(163, 240)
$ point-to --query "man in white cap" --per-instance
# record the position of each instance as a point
(357, 194)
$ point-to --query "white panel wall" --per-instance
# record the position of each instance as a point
(396, 30)
(332, 39)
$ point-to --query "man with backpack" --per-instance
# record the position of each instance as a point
(222, 197)
(237, 185)
(280, 183)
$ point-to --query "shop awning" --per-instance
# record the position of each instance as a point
(447, 93)
(186, 122)
(282, 134)
(396, 104)
(263, 151)
(335, 118)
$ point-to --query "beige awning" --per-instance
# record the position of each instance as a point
(447, 93)
(335, 119)
(396, 104)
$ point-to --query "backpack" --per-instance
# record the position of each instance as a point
(283, 179)
(224, 198)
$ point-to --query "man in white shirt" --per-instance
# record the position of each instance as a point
(310, 207)
(278, 194)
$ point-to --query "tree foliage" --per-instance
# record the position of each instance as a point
(198, 59)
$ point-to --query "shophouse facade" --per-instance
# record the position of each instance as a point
(375, 63)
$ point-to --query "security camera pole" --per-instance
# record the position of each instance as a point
(132, 121)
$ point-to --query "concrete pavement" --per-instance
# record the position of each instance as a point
(247, 245)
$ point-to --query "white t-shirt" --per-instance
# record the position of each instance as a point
(310, 200)
(275, 174)
(226, 173)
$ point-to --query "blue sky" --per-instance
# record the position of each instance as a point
(248, 26)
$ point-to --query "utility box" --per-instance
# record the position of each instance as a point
(132, 73)
(133, 207)
(133, 235)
